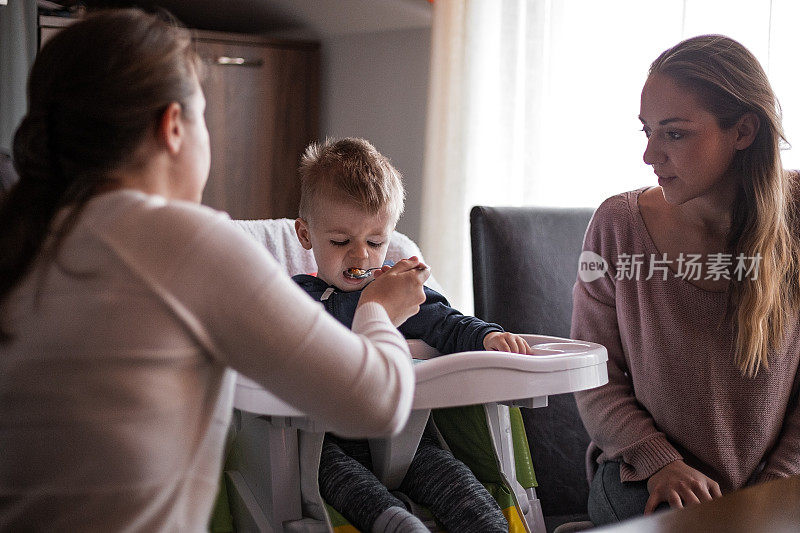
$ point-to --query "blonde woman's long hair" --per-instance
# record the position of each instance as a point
(730, 82)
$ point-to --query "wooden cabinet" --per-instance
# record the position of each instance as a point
(262, 109)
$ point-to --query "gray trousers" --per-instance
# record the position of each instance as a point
(435, 479)
(611, 500)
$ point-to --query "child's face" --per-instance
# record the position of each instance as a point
(342, 236)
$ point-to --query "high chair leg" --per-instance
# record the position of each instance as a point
(264, 474)
(499, 423)
(245, 509)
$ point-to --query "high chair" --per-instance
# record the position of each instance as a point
(271, 467)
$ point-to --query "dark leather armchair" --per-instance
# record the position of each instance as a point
(524, 264)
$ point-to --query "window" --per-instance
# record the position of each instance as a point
(535, 102)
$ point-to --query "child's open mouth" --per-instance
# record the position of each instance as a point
(358, 273)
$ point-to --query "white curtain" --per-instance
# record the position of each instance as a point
(535, 102)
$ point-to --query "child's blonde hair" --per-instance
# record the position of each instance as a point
(351, 168)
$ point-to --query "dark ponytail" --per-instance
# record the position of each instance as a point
(95, 91)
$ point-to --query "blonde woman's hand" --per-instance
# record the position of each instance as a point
(398, 289)
(680, 485)
(503, 341)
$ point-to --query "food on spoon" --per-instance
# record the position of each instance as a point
(354, 272)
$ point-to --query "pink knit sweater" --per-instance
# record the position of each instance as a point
(674, 390)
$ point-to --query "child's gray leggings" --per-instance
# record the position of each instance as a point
(435, 479)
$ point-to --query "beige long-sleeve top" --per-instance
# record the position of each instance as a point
(116, 391)
(673, 388)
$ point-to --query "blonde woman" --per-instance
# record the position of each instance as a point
(698, 306)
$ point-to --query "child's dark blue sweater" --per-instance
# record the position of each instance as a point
(437, 323)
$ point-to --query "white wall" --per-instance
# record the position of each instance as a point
(375, 85)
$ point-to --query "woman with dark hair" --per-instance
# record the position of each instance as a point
(123, 302)
(699, 307)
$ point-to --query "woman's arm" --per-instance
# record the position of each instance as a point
(621, 427)
(248, 314)
(618, 424)
(615, 420)
(359, 383)
(784, 459)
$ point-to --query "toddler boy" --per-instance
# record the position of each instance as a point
(351, 199)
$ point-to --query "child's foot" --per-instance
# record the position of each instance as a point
(398, 520)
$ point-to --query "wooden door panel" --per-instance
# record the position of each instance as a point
(259, 116)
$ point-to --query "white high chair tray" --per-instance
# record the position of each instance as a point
(557, 366)
(253, 398)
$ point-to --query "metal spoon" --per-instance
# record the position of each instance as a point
(360, 273)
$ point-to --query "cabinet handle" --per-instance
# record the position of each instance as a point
(238, 62)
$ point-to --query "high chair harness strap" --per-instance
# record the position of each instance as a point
(326, 294)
